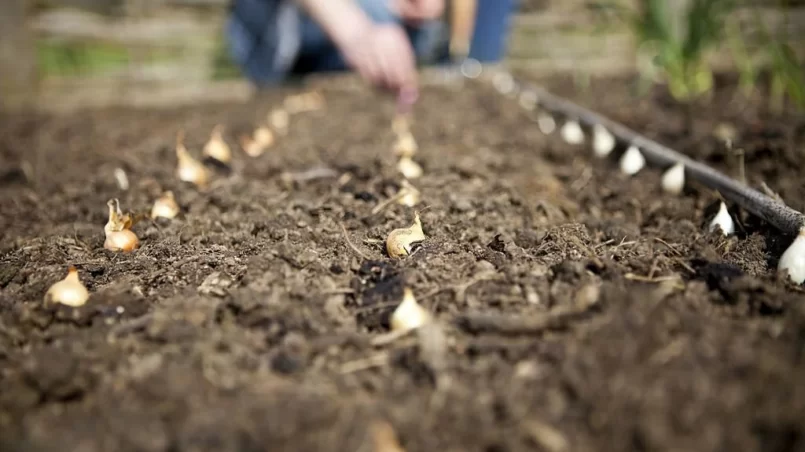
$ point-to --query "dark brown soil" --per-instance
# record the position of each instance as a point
(583, 310)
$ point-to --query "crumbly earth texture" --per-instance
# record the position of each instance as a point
(576, 308)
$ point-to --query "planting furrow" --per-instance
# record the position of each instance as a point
(639, 150)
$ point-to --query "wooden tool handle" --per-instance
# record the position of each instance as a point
(462, 25)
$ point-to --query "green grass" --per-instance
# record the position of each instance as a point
(66, 59)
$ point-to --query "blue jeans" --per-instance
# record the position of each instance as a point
(273, 39)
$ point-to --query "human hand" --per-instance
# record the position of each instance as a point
(382, 55)
(419, 10)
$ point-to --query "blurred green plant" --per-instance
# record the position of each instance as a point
(66, 59)
(787, 76)
(673, 48)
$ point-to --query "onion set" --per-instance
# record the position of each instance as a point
(632, 161)
(571, 132)
(188, 168)
(673, 180)
(216, 148)
(406, 145)
(409, 168)
(793, 259)
(165, 206)
(119, 236)
(603, 141)
(69, 291)
(256, 145)
(409, 314)
(723, 221)
(400, 242)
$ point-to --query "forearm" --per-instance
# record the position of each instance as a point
(340, 19)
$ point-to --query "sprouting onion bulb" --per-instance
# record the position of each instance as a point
(400, 242)
(793, 259)
(409, 196)
(409, 168)
(723, 221)
(165, 206)
(189, 169)
(528, 100)
(406, 145)
(409, 314)
(279, 120)
(603, 141)
(69, 291)
(546, 123)
(572, 133)
(216, 148)
(119, 236)
(673, 180)
(632, 161)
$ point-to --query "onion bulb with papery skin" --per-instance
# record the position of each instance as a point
(406, 146)
(69, 291)
(723, 221)
(793, 259)
(256, 145)
(279, 120)
(603, 141)
(304, 102)
(673, 180)
(572, 132)
(546, 123)
(632, 161)
(409, 168)
(165, 206)
(400, 242)
(119, 236)
(409, 314)
(216, 148)
(409, 195)
(188, 168)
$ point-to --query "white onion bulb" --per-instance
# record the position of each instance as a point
(793, 259)
(409, 314)
(723, 220)
(409, 168)
(546, 123)
(632, 161)
(572, 133)
(603, 141)
(69, 291)
(673, 181)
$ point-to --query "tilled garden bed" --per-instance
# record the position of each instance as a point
(582, 309)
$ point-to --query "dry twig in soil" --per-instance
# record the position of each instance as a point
(352, 245)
